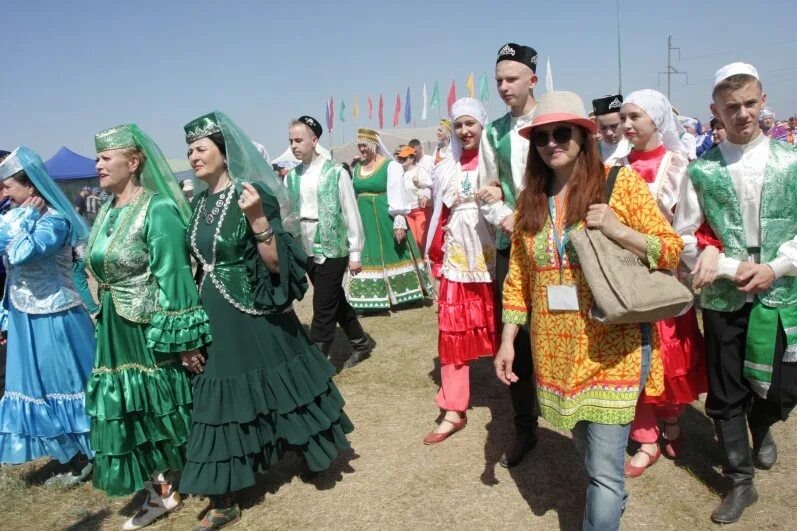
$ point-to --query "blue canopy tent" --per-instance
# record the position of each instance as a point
(66, 165)
(71, 171)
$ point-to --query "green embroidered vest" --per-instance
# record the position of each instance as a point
(331, 232)
(778, 221)
(126, 263)
(499, 139)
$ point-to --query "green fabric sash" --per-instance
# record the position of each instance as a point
(762, 332)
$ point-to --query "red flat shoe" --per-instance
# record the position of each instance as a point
(673, 448)
(436, 438)
(632, 471)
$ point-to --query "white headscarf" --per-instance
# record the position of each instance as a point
(658, 108)
(465, 107)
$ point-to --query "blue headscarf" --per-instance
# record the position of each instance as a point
(27, 160)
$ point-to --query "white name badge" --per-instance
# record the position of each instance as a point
(562, 298)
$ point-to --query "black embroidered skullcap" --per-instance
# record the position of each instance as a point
(516, 52)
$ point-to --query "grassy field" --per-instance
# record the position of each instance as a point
(390, 480)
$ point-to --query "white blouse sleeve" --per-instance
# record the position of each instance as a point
(672, 184)
(397, 204)
(496, 212)
(351, 214)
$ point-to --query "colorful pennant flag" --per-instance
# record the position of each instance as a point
(452, 96)
(355, 112)
(342, 110)
(469, 85)
(381, 113)
(407, 108)
(435, 96)
(423, 110)
(370, 108)
(484, 90)
(327, 113)
(397, 110)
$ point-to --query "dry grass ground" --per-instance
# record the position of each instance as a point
(392, 481)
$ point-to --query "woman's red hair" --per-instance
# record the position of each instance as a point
(586, 187)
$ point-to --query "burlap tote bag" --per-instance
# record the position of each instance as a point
(624, 289)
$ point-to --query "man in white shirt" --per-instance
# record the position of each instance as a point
(502, 166)
(613, 145)
(322, 194)
(745, 191)
(422, 159)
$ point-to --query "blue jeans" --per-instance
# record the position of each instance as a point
(603, 446)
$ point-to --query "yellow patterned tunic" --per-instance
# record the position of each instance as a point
(586, 370)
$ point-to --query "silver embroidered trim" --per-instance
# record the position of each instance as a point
(790, 356)
(136, 366)
(42, 401)
(208, 268)
(204, 131)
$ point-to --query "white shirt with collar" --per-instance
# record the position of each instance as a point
(308, 211)
(746, 164)
(496, 212)
(612, 154)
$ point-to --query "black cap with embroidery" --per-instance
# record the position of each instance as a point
(607, 104)
(312, 123)
(516, 52)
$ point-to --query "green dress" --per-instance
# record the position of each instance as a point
(265, 387)
(392, 273)
(138, 395)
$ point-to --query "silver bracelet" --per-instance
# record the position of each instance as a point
(265, 236)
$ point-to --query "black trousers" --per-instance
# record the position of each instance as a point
(729, 393)
(329, 300)
(524, 391)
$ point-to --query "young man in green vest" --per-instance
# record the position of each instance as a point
(332, 236)
(502, 166)
(745, 190)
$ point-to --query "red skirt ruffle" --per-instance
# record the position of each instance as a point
(466, 322)
(682, 352)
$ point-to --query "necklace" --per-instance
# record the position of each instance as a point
(208, 267)
(221, 202)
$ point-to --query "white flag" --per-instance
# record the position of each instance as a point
(423, 112)
(548, 77)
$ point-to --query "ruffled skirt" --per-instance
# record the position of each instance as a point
(139, 402)
(48, 360)
(265, 389)
(683, 354)
(466, 321)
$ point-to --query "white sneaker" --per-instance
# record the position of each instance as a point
(153, 508)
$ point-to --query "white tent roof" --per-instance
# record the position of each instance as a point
(392, 138)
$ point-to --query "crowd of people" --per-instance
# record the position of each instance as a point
(193, 383)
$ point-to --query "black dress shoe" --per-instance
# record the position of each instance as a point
(516, 451)
(766, 455)
(361, 349)
(733, 505)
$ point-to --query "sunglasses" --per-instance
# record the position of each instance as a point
(561, 135)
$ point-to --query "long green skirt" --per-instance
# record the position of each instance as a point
(139, 402)
(393, 273)
(265, 389)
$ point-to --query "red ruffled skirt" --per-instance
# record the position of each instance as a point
(436, 247)
(466, 322)
(682, 352)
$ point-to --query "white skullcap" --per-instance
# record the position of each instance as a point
(733, 69)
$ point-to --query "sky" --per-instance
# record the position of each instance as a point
(72, 69)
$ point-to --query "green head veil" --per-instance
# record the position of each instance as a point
(244, 161)
(157, 175)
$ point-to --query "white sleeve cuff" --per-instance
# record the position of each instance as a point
(781, 266)
(399, 223)
(354, 256)
(727, 267)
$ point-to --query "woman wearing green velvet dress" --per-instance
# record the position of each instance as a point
(264, 387)
(138, 395)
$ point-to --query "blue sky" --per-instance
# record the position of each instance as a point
(74, 68)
